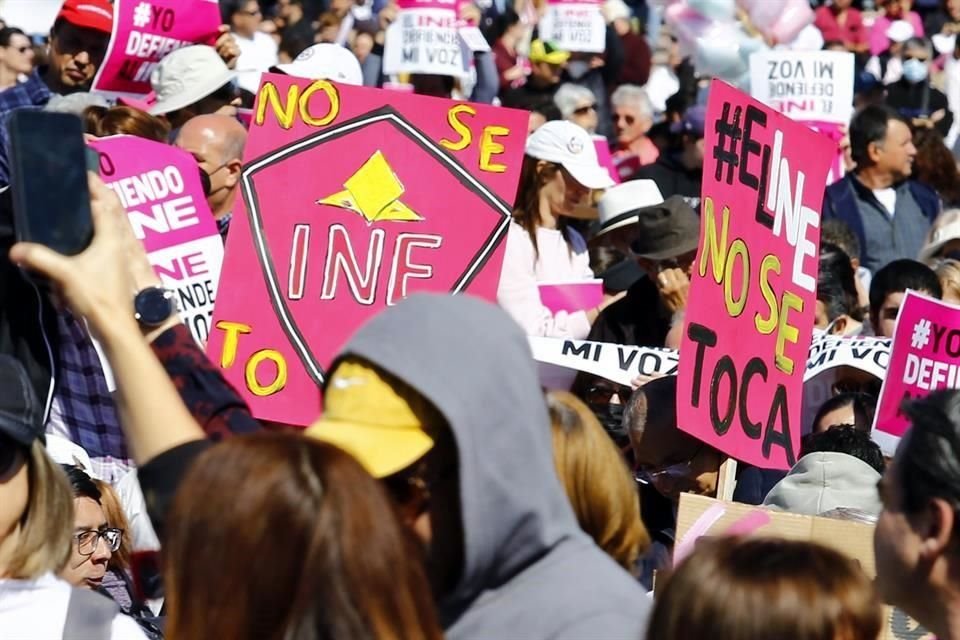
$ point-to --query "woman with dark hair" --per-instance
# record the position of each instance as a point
(559, 170)
(753, 589)
(122, 120)
(301, 541)
(16, 56)
(850, 408)
(935, 166)
(837, 311)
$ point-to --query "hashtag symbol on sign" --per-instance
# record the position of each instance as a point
(921, 334)
(732, 132)
(141, 15)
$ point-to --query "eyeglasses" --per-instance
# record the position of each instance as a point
(579, 111)
(8, 453)
(87, 540)
(602, 394)
(646, 475)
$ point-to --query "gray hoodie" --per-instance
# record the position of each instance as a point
(529, 571)
(824, 481)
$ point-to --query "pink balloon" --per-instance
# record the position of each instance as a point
(764, 14)
(688, 25)
(797, 14)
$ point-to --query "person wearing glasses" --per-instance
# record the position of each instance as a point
(258, 51)
(94, 540)
(36, 530)
(16, 57)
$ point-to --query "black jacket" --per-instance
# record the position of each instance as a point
(918, 101)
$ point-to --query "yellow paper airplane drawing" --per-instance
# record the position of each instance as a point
(373, 192)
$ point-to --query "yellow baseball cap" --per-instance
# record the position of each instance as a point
(545, 51)
(377, 419)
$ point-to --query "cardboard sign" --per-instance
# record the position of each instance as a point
(353, 198)
(749, 320)
(700, 516)
(425, 38)
(144, 31)
(925, 358)
(805, 85)
(576, 25)
(160, 188)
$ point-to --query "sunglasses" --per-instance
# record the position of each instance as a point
(648, 475)
(602, 394)
(579, 111)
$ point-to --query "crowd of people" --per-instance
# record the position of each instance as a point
(444, 492)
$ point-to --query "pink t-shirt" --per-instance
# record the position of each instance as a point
(879, 42)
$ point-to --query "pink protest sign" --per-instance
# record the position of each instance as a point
(353, 198)
(571, 296)
(749, 320)
(926, 348)
(144, 31)
(160, 188)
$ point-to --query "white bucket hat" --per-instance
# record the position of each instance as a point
(325, 62)
(186, 76)
(621, 206)
(571, 147)
(940, 237)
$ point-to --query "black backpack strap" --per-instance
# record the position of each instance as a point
(89, 616)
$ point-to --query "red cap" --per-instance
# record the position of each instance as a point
(88, 14)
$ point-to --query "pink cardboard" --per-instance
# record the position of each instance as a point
(160, 188)
(353, 198)
(925, 358)
(749, 320)
(144, 32)
(571, 296)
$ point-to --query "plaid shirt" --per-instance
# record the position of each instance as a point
(83, 410)
(34, 94)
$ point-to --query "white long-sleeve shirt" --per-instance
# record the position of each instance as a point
(523, 268)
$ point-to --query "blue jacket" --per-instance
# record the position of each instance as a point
(840, 203)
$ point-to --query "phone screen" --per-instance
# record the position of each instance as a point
(48, 181)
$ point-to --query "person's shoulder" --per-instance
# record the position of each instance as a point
(126, 628)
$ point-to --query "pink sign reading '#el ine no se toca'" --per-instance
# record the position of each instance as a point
(749, 321)
(353, 198)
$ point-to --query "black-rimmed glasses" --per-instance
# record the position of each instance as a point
(88, 540)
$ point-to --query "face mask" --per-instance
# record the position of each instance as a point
(914, 70)
(576, 69)
(611, 417)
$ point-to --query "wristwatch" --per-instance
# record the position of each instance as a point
(153, 305)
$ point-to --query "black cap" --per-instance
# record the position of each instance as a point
(21, 416)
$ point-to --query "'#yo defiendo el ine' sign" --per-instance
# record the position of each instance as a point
(741, 377)
(353, 199)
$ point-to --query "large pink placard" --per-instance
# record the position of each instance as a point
(749, 320)
(144, 31)
(160, 188)
(925, 358)
(353, 198)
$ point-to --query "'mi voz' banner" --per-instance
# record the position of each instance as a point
(574, 25)
(750, 317)
(353, 198)
(160, 188)
(425, 38)
(144, 31)
(925, 358)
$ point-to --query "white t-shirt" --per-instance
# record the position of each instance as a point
(888, 198)
(257, 54)
(38, 609)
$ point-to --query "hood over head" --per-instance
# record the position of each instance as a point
(824, 481)
(472, 363)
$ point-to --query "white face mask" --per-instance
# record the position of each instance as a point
(914, 70)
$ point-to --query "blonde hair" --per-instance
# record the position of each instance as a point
(44, 542)
(948, 272)
(116, 517)
(596, 479)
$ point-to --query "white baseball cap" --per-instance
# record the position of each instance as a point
(571, 147)
(325, 61)
(186, 76)
(900, 31)
(621, 205)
